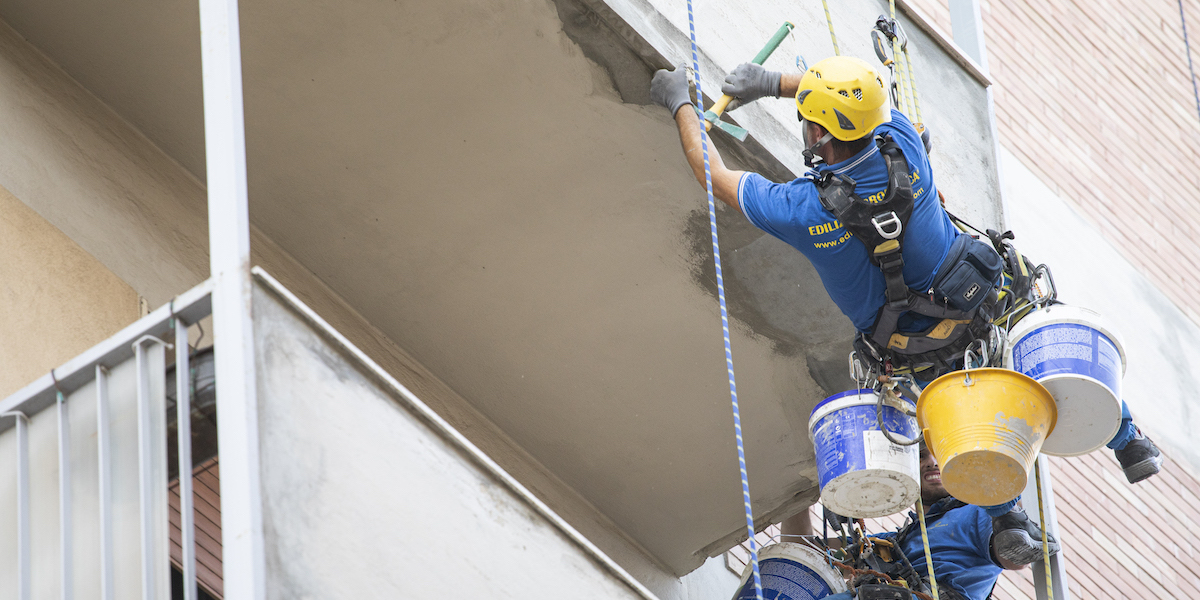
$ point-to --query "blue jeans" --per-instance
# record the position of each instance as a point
(1127, 431)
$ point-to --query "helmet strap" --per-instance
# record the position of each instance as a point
(811, 158)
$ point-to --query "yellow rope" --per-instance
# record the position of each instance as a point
(832, 36)
(928, 554)
(906, 95)
(912, 78)
(1037, 474)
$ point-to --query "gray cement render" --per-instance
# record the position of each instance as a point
(362, 499)
(480, 188)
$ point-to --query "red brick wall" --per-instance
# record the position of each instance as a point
(1121, 540)
(1096, 98)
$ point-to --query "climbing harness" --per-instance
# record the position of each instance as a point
(878, 568)
(962, 299)
(981, 290)
(712, 223)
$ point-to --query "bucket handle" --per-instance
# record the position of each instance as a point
(879, 419)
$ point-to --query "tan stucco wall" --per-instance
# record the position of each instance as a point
(55, 299)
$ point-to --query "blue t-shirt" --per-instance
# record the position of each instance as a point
(960, 542)
(793, 213)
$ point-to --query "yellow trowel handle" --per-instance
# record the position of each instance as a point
(718, 108)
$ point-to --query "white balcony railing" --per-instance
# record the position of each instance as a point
(100, 457)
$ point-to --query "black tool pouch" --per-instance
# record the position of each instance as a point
(969, 274)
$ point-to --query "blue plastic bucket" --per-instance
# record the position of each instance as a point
(791, 572)
(863, 474)
(1080, 362)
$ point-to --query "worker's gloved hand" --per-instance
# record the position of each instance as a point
(749, 82)
(669, 89)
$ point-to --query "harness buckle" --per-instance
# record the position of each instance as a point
(888, 225)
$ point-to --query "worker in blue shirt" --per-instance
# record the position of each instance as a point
(966, 561)
(793, 213)
(846, 97)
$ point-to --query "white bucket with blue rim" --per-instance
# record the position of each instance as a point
(791, 571)
(1080, 361)
(862, 473)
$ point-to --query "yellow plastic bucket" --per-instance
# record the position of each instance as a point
(985, 426)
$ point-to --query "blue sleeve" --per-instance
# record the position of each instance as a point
(764, 203)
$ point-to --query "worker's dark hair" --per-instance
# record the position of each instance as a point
(853, 146)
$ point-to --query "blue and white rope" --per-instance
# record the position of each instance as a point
(712, 223)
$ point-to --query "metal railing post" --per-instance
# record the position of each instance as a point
(64, 496)
(104, 456)
(24, 552)
(1058, 563)
(147, 448)
(183, 435)
(229, 259)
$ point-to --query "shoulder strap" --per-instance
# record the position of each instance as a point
(878, 224)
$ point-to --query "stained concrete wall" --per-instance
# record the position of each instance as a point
(363, 499)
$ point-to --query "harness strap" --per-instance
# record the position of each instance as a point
(953, 323)
(880, 224)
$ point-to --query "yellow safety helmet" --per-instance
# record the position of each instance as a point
(844, 95)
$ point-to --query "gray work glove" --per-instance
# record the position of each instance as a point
(749, 82)
(669, 89)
